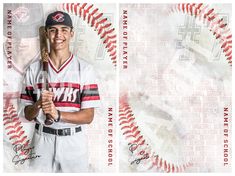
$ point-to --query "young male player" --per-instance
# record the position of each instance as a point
(71, 99)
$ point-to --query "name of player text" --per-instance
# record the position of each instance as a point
(8, 43)
(124, 40)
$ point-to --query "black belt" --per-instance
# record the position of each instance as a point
(59, 132)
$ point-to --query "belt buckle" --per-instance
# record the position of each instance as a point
(72, 131)
(66, 132)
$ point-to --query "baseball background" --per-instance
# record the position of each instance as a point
(94, 41)
(175, 87)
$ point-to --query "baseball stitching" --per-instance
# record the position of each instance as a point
(96, 20)
(13, 127)
(215, 24)
(133, 135)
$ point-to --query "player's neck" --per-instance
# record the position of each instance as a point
(59, 57)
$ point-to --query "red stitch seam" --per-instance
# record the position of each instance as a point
(135, 137)
(216, 25)
(13, 126)
(100, 24)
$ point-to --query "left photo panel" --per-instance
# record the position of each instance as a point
(59, 87)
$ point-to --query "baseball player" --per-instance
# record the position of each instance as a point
(71, 99)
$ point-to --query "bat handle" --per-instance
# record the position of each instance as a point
(49, 119)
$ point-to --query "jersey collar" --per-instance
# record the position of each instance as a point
(62, 66)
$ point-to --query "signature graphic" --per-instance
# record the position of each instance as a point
(22, 154)
(143, 155)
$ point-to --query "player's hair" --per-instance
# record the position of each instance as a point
(68, 26)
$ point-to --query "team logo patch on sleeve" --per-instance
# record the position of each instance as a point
(59, 17)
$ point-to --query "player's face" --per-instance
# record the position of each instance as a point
(59, 37)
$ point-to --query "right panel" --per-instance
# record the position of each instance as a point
(175, 87)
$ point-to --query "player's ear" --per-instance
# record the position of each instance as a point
(46, 33)
(72, 32)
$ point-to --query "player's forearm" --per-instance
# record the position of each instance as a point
(84, 116)
(31, 111)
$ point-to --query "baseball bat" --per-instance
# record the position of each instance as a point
(44, 56)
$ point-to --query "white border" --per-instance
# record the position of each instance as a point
(117, 111)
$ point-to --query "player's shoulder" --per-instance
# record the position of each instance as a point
(34, 66)
(84, 65)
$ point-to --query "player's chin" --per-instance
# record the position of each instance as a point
(59, 43)
(59, 47)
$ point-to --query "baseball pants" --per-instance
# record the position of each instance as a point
(59, 153)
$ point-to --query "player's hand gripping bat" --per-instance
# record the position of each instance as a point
(45, 55)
